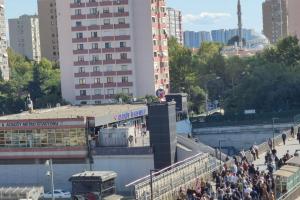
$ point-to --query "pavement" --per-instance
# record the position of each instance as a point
(292, 144)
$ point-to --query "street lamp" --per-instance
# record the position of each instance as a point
(273, 121)
(49, 164)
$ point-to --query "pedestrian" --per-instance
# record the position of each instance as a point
(292, 131)
(256, 150)
(298, 136)
(252, 150)
(283, 136)
(270, 143)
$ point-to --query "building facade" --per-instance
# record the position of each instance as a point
(293, 17)
(194, 39)
(275, 21)
(3, 44)
(48, 29)
(24, 36)
(224, 35)
(174, 24)
(111, 47)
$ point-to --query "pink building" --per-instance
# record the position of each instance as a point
(109, 47)
(293, 7)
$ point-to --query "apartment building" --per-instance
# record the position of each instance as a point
(24, 36)
(108, 47)
(293, 7)
(4, 68)
(194, 39)
(174, 24)
(48, 29)
(275, 21)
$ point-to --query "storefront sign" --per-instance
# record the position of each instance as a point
(131, 114)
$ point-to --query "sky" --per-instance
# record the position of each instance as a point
(198, 15)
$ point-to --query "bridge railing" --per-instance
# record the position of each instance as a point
(167, 182)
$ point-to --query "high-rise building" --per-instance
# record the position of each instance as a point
(224, 35)
(48, 29)
(194, 39)
(4, 68)
(218, 36)
(293, 17)
(24, 36)
(174, 24)
(275, 22)
(112, 47)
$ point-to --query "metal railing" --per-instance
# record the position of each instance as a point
(292, 194)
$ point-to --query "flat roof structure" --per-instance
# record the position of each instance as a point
(96, 175)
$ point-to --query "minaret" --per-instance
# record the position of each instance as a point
(239, 12)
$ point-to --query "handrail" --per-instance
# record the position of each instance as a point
(290, 192)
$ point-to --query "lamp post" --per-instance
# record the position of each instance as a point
(49, 164)
(273, 128)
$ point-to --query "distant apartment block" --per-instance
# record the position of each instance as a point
(275, 21)
(3, 44)
(24, 36)
(293, 7)
(174, 24)
(111, 47)
(48, 29)
(224, 35)
(194, 39)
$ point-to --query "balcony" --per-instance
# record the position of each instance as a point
(82, 86)
(97, 85)
(119, 14)
(108, 50)
(93, 27)
(123, 49)
(96, 62)
(106, 3)
(79, 40)
(76, 17)
(77, 5)
(110, 96)
(110, 73)
(81, 51)
(122, 37)
(125, 84)
(92, 16)
(96, 73)
(92, 4)
(123, 61)
(121, 2)
(82, 74)
(94, 39)
(121, 73)
(106, 15)
(107, 62)
(107, 26)
(95, 97)
(95, 51)
(109, 85)
(86, 97)
(108, 38)
(79, 28)
(121, 26)
(81, 63)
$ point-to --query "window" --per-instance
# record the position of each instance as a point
(106, 21)
(97, 80)
(80, 46)
(93, 11)
(94, 34)
(77, 11)
(105, 10)
(80, 58)
(124, 79)
(78, 23)
(94, 45)
(125, 90)
(122, 44)
(77, 1)
(123, 56)
(82, 81)
(96, 69)
(121, 20)
(79, 35)
(97, 91)
(110, 91)
(121, 10)
(95, 58)
(124, 68)
(108, 56)
(110, 79)
(81, 69)
(82, 92)
(107, 45)
(92, 0)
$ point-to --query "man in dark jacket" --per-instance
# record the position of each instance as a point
(283, 137)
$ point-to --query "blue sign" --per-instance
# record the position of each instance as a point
(131, 114)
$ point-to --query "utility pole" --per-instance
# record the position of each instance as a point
(49, 163)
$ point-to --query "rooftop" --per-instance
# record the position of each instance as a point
(75, 111)
(102, 175)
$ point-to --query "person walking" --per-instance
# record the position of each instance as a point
(283, 136)
(298, 136)
(270, 143)
(292, 131)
